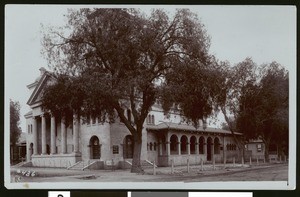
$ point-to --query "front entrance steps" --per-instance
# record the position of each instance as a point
(82, 165)
(23, 164)
(144, 163)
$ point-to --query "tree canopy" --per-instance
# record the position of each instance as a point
(120, 59)
(15, 129)
(263, 108)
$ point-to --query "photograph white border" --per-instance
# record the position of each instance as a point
(239, 185)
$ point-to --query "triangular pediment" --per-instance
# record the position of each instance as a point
(36, 95)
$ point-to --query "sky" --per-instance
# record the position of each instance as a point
(264, 33)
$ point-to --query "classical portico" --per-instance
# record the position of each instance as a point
(54, 139)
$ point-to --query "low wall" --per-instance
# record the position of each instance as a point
(55, 161)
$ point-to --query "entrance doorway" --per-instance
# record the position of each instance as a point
(95, 147)
(209, 144)
(128, 147)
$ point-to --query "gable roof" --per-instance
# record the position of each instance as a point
(39, 87)
(185, 127)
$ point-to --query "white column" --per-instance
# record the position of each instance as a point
(44, 138)
(212, 151)
(34, 132)
(197, 148)
(53, 137)
(188, 146)
(168, 148)
(63, 136)
(76, 133)
(160, 148)
(179, 148)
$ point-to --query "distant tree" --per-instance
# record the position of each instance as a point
(263, 108)
(234, 80)
(121, 57)
(15, 129)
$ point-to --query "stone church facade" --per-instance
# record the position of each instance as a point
(53, 142)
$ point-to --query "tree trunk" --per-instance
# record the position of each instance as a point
(137, 149)
(267, 144)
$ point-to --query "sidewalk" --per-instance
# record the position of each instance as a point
(125, 175)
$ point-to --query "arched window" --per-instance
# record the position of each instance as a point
(152, 119)
(183, 145)
(173, 144)
(95, 149)
(209, 152)
(201, 145)
(193, 145)
(216, 146)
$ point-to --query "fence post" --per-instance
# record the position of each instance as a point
(188, 165)
(224, 163)
(280, 158)
(264, 159)
(172, 166)
(250, 161)
(201, 164)
(233, 161)
(243, 161)
(257, 162)
(284, 158)
(214, 163)
(154, 168)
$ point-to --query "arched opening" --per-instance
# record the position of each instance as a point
(201, 145)
(193, 145)
(95, 148)
(209, 144)
(151, 145)
(173, 144)
(128, 147)
(183, 144)
(216, 146)
(162, 147)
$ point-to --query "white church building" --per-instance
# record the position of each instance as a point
(92, 144)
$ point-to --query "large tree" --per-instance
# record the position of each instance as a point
(15, 129)
(263, 108)
(236, 79)
(120, 57)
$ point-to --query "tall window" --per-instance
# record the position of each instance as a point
(173, 145)
(183, 145)
(216, 146)
(150, 119)
(201, 145)
(193, 145)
